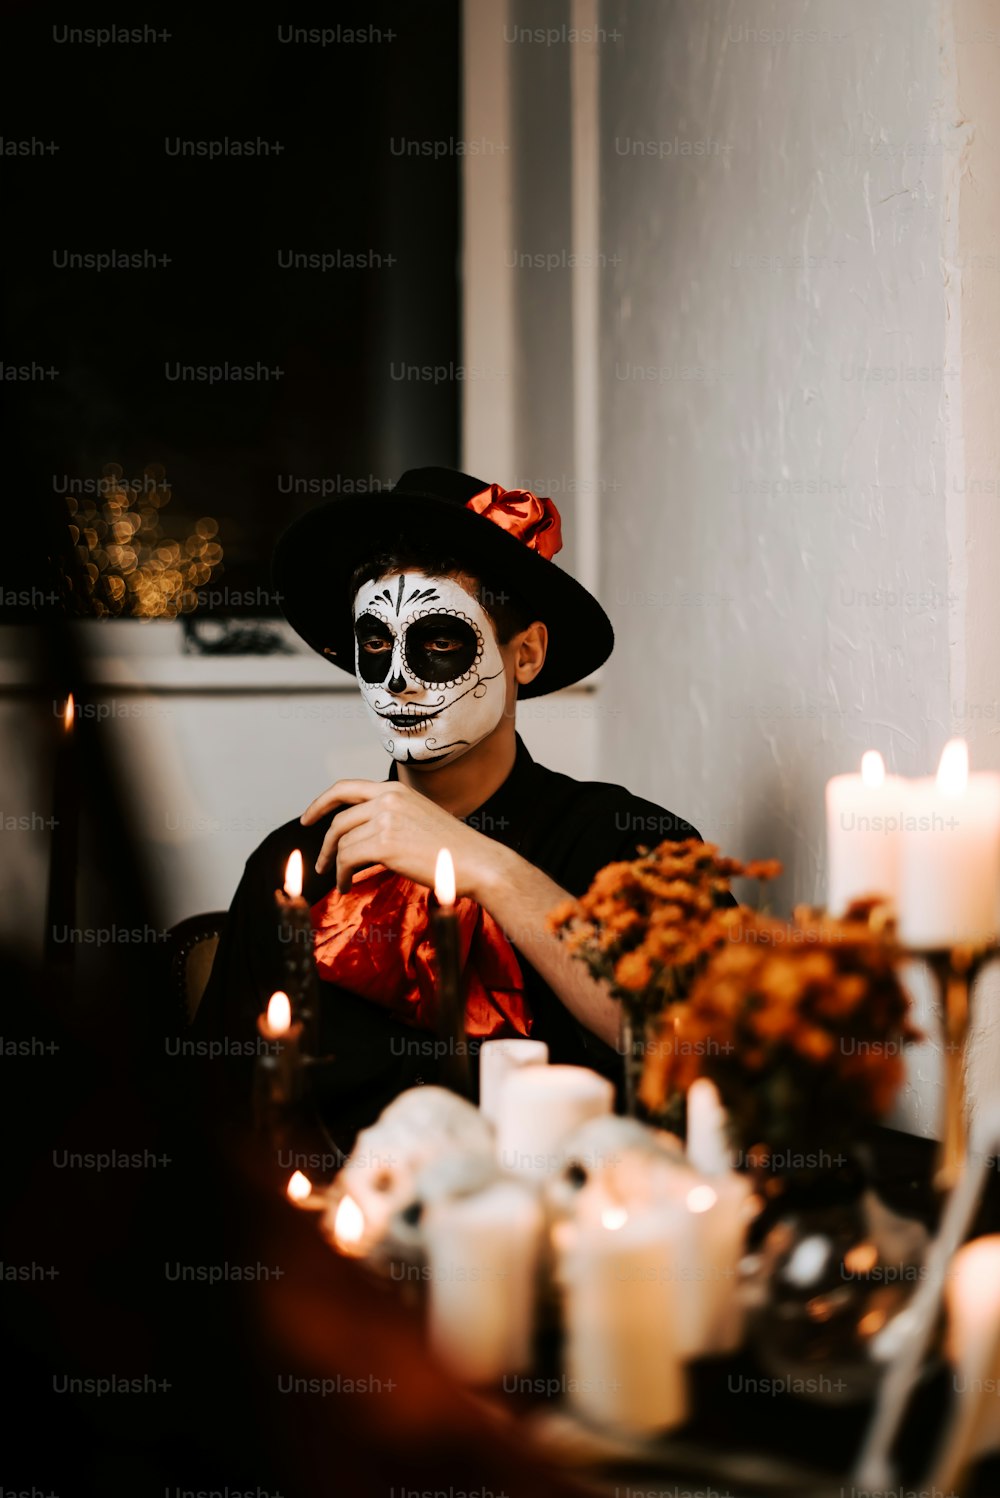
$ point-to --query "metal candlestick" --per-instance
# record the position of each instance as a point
(279, 1079)
(300, 966)
(955, 971)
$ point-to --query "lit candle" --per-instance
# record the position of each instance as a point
(278, 1081)
(454, 1071)
(540, 1106)
(498, 1060)
(349, 1228)
(302, 1193)
(624, 1365)
(482, 1260)
(950, 857)
(864, 824)
(295, 930)
(710, 1245)
(60, 915)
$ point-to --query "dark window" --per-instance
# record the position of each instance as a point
(366, 175)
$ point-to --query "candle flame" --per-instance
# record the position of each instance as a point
(69, 713)
(293, 875)
(872, 769)
(299, 1188)
(701, 1199)
(953, 771)
(614, 1218)
(279, 1013)
(444, 878)
(348, 1225)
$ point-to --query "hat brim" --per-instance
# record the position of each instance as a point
(317, 555)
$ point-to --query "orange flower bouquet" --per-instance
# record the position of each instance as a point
(800, 1025)
(648, 927)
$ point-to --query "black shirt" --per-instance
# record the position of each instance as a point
(567, 828)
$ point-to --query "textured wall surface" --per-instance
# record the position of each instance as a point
(777, 379)
(972, 271)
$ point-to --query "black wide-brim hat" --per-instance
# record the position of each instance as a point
(317, 555)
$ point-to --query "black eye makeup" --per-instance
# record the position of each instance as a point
(441, 647)
(375, 642)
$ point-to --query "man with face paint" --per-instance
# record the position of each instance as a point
(442, 598)
(429, 666)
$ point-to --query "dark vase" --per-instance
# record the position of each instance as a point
(830, 1269)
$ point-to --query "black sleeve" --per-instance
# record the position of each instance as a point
(247, 966)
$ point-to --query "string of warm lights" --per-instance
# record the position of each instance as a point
(127, 564)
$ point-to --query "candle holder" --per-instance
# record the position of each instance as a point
(279, 1079)
(955, 970)
(300, 967)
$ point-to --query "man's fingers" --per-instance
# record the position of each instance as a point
(345, 821)
(354, 854)
(347, 791)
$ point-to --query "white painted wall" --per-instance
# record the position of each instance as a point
(796, 372)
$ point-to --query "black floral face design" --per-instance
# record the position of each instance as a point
(428, 664)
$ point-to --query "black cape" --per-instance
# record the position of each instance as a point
(567, 828)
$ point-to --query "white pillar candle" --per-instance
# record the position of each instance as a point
(973, 1343)
(539, 1107)
(864, 825)
(709, 1309)
(623, 1363)
(707, 1144)
(498, 1059)
(482, 1261)
(950, 872)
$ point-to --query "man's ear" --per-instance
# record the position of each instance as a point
(530, 657)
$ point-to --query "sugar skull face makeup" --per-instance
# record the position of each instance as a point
(429, 666)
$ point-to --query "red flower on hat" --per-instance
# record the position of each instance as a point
(530, 519)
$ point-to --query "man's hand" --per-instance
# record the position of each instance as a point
(385, 822)
(388, 823)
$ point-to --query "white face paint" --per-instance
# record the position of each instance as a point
(429, 666)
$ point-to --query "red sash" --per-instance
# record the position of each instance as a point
(376, 941)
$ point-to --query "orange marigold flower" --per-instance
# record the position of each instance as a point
(813, 1043)
(634, 971)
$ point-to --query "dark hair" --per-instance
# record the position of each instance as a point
(509, 612)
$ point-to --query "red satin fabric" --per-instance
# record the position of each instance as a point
(376, 941)
(532, 520)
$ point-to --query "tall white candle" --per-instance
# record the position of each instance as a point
(710, 1314)
(719, 1210)
(623, 1361)
(498, 1060)
(707, 1144)
(864, 826)
(482, 1260)
(539, 1107)
(973, 1343)
(950, 856)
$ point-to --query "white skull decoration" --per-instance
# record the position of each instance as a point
(427, 1142)
(615, 1164)
(428, 665)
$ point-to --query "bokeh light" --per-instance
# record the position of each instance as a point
(129, 565)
